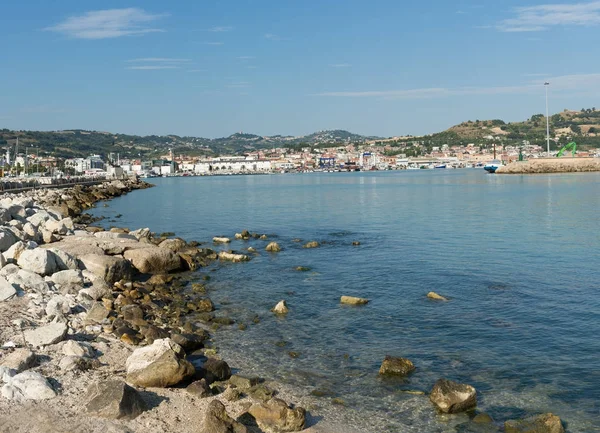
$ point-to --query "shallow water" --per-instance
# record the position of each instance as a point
(516, 255)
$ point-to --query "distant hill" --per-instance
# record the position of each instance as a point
(76, 142)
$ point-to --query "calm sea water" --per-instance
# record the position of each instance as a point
(517, 255)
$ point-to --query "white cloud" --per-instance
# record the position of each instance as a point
(151, 67)
(341, 65)
(158, 60)
(110, 23)
(543, 17)
(220, 29)
(590, 82)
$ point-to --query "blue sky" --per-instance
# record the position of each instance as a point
(211, 68)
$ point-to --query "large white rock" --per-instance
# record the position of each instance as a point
(7, 239)
(14, 252)
(40, 217)
(64, 260)
(26, 280)
(7, 290)
(110, 268)
(75, 348)
(38, 260)
(19, 360)
(45, 335)
(57, 227)
(153, 260)
(69, 276)
(113, 235)
(57, 306)
(28, 385)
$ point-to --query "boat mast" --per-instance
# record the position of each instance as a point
(494, 150)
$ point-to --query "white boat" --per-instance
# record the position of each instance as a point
(492, 166)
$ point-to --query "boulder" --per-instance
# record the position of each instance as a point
(2, 261)
(221, 240)
(216, 370)
(77, 246)
(57, 306)
(114, 399)
(436, 297)
(28, 385)
(199, 388)
(153, 260)
(232, 257)
(31, 231)
(14, 252)
(243, 382)
(273, 247)
(312, 244)
(27, 280)
(544, 423)
(19, 360)
(216, 420)
(173, 244)
(396, 366)
(77, 363)
(280, 308)
(275, 416)
(7, 373)
(110, 268)
(64, 260)
(453, 397)
(351, 300)
(38, 260)
(161, 364)
(45, 335)
(7, 290)
(67, 277)
(7, 239)
(114, 235)
(75, 348)
(39, 217)
(97, 313)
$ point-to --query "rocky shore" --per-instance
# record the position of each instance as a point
(551, 165)
(110, 331)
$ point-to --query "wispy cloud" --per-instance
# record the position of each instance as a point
(110, 23)
(158, 60)
(340, 65)
(213, 43)
(220, 29)
(152, 67)
(543, 17)
(558, 83)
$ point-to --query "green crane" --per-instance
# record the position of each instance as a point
(572, 146)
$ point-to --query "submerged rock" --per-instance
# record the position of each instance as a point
(221, 240)
(114, 399)
(280, 308)
(351, 300)
(544, 423)
(232, 257)
(396, 366)
(273, 247)
(435, 296)
(453, 397)
(312, 244)
(275, 416)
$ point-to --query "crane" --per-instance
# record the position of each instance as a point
(572, 146)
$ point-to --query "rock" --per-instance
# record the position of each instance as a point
(396, 366)
(38, 260)
(97, 313)
(435, 296)
(6, 374)
(243, 382)
(216, 370)
(216, 420)
(221, 240)
(153, 260)
(7, 290)
(482, 418)
(453, 397)
(114, 399)
(77, 363)
(14, 252)
(75, 348)
(302, 268)
(66, 277)
(46, 335)
(114, 235)
(351, 300)
(173, 244)
(27, 280)
(312, 244)
(64, 260)
(132, 313)
(57, 306)
(205, 305)
(28, 385)
(232, 257)
(544, 423)
(189, 342)
(355, 244)
(232, 394)
(280, 308)
(276, 416)
(109, 268)
(19, 360)
(199, 388)
(7, 239)
(261, 392)
(273, 247)
(160, 365)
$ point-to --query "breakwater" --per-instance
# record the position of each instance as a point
(552, 165)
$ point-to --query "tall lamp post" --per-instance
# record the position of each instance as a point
(546, 84)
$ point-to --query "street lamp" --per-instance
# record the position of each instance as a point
(546, 84)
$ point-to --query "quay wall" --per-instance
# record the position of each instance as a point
(551, 165)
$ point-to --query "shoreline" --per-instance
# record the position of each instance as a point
(169, 408)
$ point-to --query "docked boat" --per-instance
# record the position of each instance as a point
(440, 166)
(492, 166)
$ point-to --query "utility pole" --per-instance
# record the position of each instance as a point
(546, 84)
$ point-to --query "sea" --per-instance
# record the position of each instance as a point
(518, 257)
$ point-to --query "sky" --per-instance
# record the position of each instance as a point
(213, 68)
